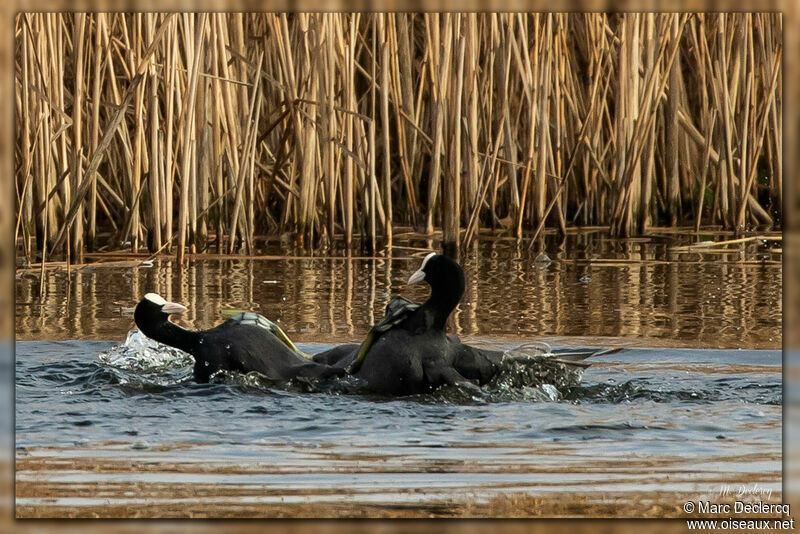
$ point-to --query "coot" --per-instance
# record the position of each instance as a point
(245, 342)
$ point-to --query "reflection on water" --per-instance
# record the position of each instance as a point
(642, 290)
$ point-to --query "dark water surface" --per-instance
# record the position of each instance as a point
(692, 404)
(90, 430)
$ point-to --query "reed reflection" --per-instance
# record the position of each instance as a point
(640, 291)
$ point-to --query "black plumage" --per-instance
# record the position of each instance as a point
(408, 351)
(245, 342)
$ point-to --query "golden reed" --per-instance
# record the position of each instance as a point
(181, 131)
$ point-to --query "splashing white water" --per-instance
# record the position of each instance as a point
(534, 367)
(141, 354)
(550, 390)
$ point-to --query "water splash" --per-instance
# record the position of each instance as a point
(531, 372)
(257, 383)
(534, 365)
(141, 354)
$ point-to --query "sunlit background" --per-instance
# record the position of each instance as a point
(791, 306)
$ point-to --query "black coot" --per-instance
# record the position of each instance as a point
(339, 356)
(409, 352)
(245, 342)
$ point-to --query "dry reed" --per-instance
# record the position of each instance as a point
(334, 125)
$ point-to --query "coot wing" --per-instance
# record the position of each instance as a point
(252, 318)
(398, 309)
(568, 356)
(576, 357)
(396, 312)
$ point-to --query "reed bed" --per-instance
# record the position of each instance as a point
(178, 132)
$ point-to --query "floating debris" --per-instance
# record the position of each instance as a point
(542, 258)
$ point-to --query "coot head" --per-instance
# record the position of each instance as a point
(439, 271)
(447, 285)
(153, 310)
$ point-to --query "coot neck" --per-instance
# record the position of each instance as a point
(169, 333)
(445, 295)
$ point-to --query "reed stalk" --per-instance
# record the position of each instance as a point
(170, 130)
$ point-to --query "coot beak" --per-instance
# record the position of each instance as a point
(173, 307)
(418, 276)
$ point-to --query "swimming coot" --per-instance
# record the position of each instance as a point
(340, 356)
(408, 351)
(245, 342)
